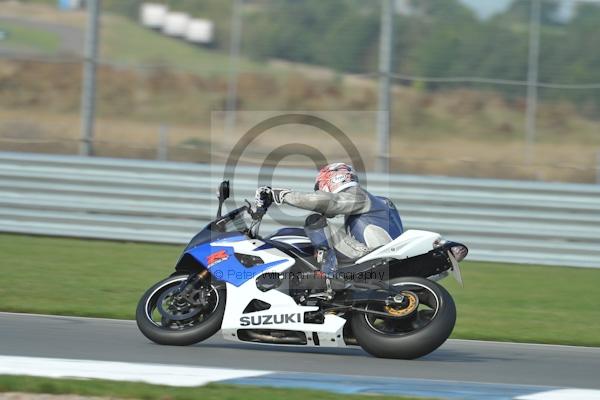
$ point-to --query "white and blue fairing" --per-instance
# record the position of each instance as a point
(224, 263)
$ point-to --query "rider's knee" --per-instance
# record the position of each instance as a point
(315, 221)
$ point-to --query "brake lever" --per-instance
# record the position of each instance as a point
(260, 212)
(249, 208)
(255, 214)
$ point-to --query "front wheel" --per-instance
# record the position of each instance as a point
(420, 323)
(179, 314)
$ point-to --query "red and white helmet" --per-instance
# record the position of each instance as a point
(336, 177)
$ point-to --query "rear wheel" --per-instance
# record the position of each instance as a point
(422, 320)
(171, 314)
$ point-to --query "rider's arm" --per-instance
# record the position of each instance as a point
(329, 204)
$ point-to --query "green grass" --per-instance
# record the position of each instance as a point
(125, 41)
(527, 303)
(155, 392)
(105, 279)
(79, 277)
(28, 38)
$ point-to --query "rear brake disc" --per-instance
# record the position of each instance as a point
(405, 303)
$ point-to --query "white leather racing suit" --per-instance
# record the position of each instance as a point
(368, 221)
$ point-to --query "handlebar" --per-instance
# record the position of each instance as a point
(257, 213)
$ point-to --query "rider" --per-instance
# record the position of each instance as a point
(369, 221)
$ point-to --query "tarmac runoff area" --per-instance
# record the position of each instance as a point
(56, 346)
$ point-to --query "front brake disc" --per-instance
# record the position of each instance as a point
(175, 312)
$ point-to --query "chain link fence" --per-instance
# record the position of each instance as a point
(504, 89)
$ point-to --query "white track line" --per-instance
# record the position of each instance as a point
(171, 375)
(495, 342)
(120, 371)
(563, 394)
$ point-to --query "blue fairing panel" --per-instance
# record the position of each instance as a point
(222, 263)
(293, 233)
(288, 232)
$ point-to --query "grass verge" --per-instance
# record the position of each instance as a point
(27, 38)
(155, 392)
(126, 41)
(505, 302)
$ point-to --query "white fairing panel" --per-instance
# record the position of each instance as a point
(410, 244)
(283, 307)
(284, 313)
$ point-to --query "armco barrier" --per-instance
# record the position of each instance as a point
(167, 202)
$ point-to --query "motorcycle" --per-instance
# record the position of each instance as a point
(269, 290)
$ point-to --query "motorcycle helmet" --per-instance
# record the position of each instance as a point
(336, 177)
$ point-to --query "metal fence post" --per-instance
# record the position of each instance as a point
(162, 150)
(88, 92)
(598, 167)
(532, 79)
(234, 55)
(386, 45)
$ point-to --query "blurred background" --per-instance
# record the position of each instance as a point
(435, 92)
(478, 88)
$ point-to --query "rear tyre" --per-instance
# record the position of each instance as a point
(180, 331)
(418, 333)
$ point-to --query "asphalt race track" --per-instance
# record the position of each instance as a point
(457, 360)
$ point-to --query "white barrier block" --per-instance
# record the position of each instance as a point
(200, 31)
(175, 24)
(153, 15)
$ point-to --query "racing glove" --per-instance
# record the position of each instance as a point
(278, 195)
(263, 197)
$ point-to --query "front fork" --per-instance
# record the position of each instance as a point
(188, 285)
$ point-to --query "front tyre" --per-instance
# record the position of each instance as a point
(422, 324)
(167, 317)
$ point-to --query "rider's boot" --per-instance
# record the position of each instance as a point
(317, 231)
(328, 264)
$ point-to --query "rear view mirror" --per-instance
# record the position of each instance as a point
(224, 190)
(223, 195)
